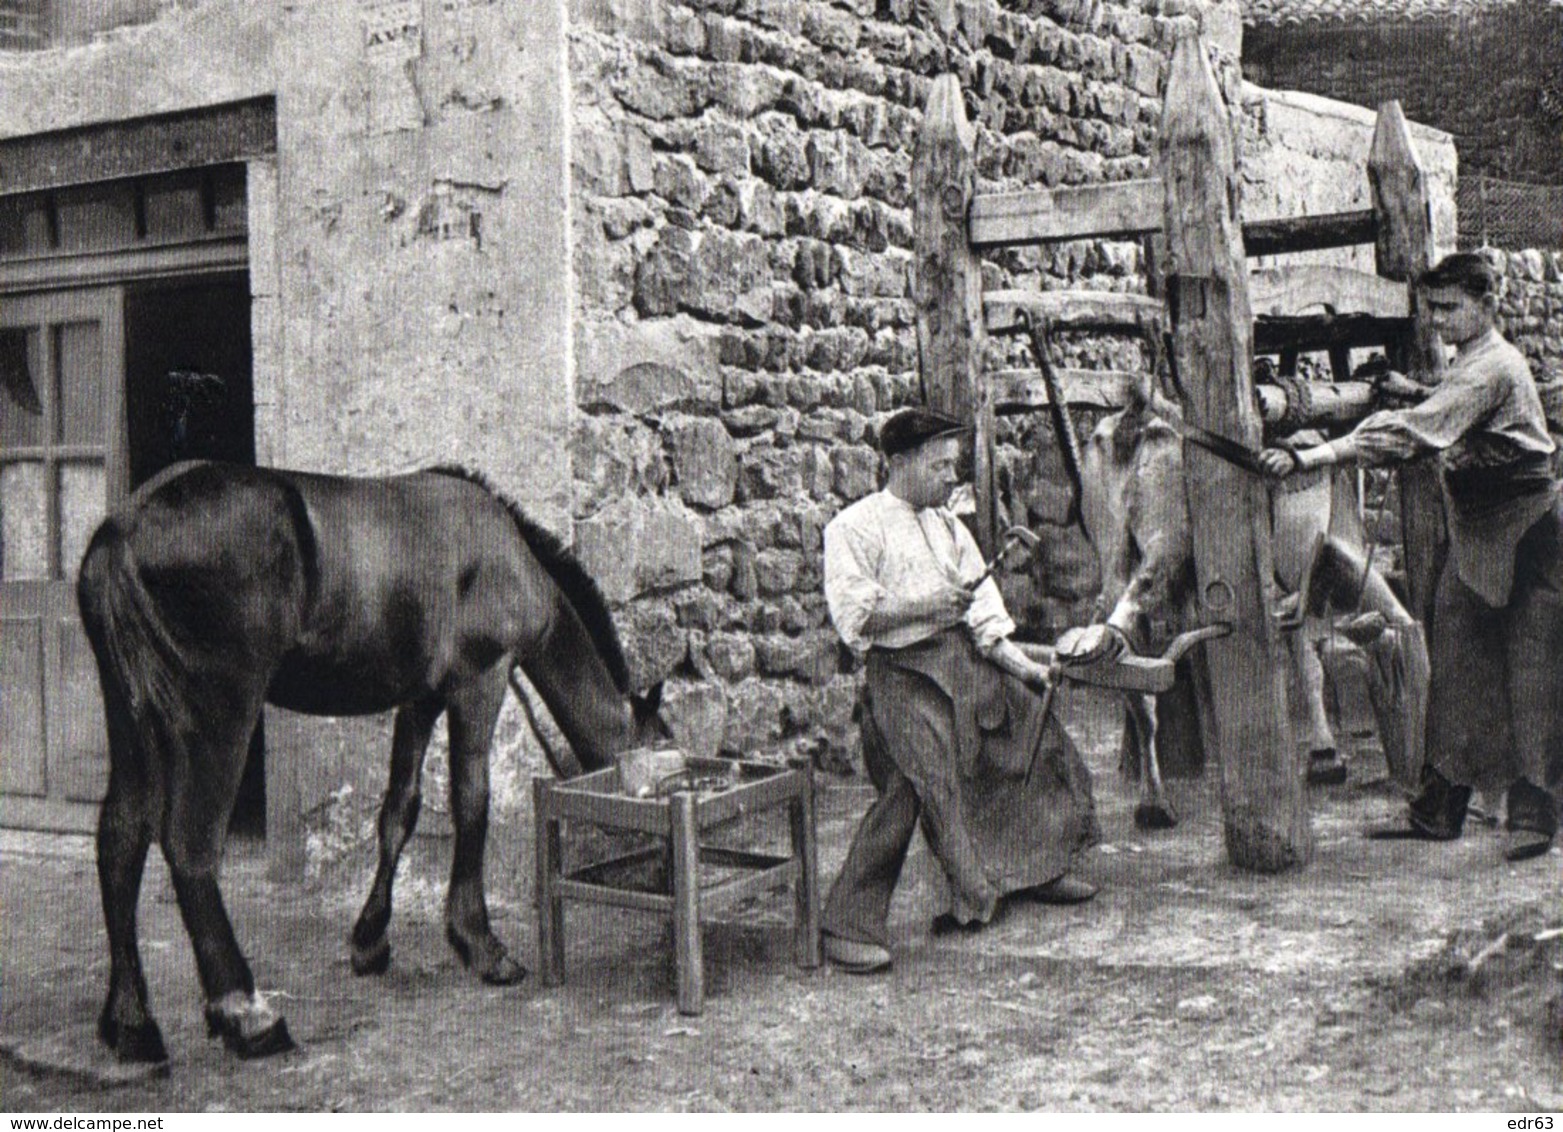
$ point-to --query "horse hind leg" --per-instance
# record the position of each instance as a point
(203, 789)
(124, 836)
(398, 818)
(472, 712)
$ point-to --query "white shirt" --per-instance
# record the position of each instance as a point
(882, 545)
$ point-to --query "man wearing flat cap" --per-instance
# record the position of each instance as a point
(955, 732)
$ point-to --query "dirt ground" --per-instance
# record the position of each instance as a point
(1378, 978)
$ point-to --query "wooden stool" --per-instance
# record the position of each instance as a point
(700, 877)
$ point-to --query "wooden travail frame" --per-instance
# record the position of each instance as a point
(1211, 297)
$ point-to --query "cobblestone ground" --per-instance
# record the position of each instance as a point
(1380, 977)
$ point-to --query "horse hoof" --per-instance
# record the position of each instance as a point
(272, 1040)
(263, 1043)
(1150, 815)
(142, 1043)
(374, 959)
(506, 973)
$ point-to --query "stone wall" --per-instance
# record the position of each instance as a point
(1531, 309)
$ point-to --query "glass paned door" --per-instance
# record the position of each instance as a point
(61, 461)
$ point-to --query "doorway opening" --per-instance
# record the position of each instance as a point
(189, 396)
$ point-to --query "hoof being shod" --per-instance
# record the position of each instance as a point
(247, 1025)
(374, 959)
(143, 1043)
(1152, 815)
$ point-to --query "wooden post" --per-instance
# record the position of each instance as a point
(947, 286)
(689, 962)
(1263, 799)
(549, 864)
(1404, 250)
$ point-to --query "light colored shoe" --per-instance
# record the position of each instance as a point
(854, 955)
(1064, 890)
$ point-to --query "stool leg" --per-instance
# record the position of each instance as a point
(550, 905)
(805, 916)
(686, 904)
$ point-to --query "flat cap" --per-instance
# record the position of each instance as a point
(906, 429)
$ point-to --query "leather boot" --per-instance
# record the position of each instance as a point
(1532, 821)
(1437, 813)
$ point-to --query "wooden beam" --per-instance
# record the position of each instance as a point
(1132, 210)
(1263, 802)
(1405, 249)
(947, 286)
(1123, 210)
(1022, 390)
(1309, 233)
(1341, 290)
(1307, 333)
(1005, 311)
(1344, 403)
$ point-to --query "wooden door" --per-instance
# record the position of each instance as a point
(61, 462)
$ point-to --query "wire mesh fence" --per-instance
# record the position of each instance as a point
(1509, 214)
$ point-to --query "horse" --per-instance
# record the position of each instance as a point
(215, 588)
(1135, 515)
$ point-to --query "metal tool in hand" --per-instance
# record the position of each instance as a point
(1221, 447)
(1013, 535)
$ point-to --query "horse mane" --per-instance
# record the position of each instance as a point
(579, 588)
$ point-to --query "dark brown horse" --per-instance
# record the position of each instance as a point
(216, 588)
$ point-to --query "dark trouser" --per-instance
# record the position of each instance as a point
(1495, 713)
(859, 902)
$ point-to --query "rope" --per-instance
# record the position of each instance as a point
(1299, 401)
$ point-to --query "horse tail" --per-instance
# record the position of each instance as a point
(137, 653)
(564, 766)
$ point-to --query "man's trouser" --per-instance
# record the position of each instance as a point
(1495, 711)
(858, 906)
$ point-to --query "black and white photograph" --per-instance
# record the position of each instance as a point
(780, 556)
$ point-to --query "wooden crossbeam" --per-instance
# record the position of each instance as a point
(1309, 233)
(1005, 311)
(1129, 210)
(1306, 333)
(1123, 209)
(1022, 390)
(1342, 290)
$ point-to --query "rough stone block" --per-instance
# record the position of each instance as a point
(705, 464)
(654, 644)
(649, 366)
(856, 471)
(754, 716)
(766, 472)
(613, 457)
(729, 656)
(776, 571)
(599, 544)
(668, 552)
(696, 713)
